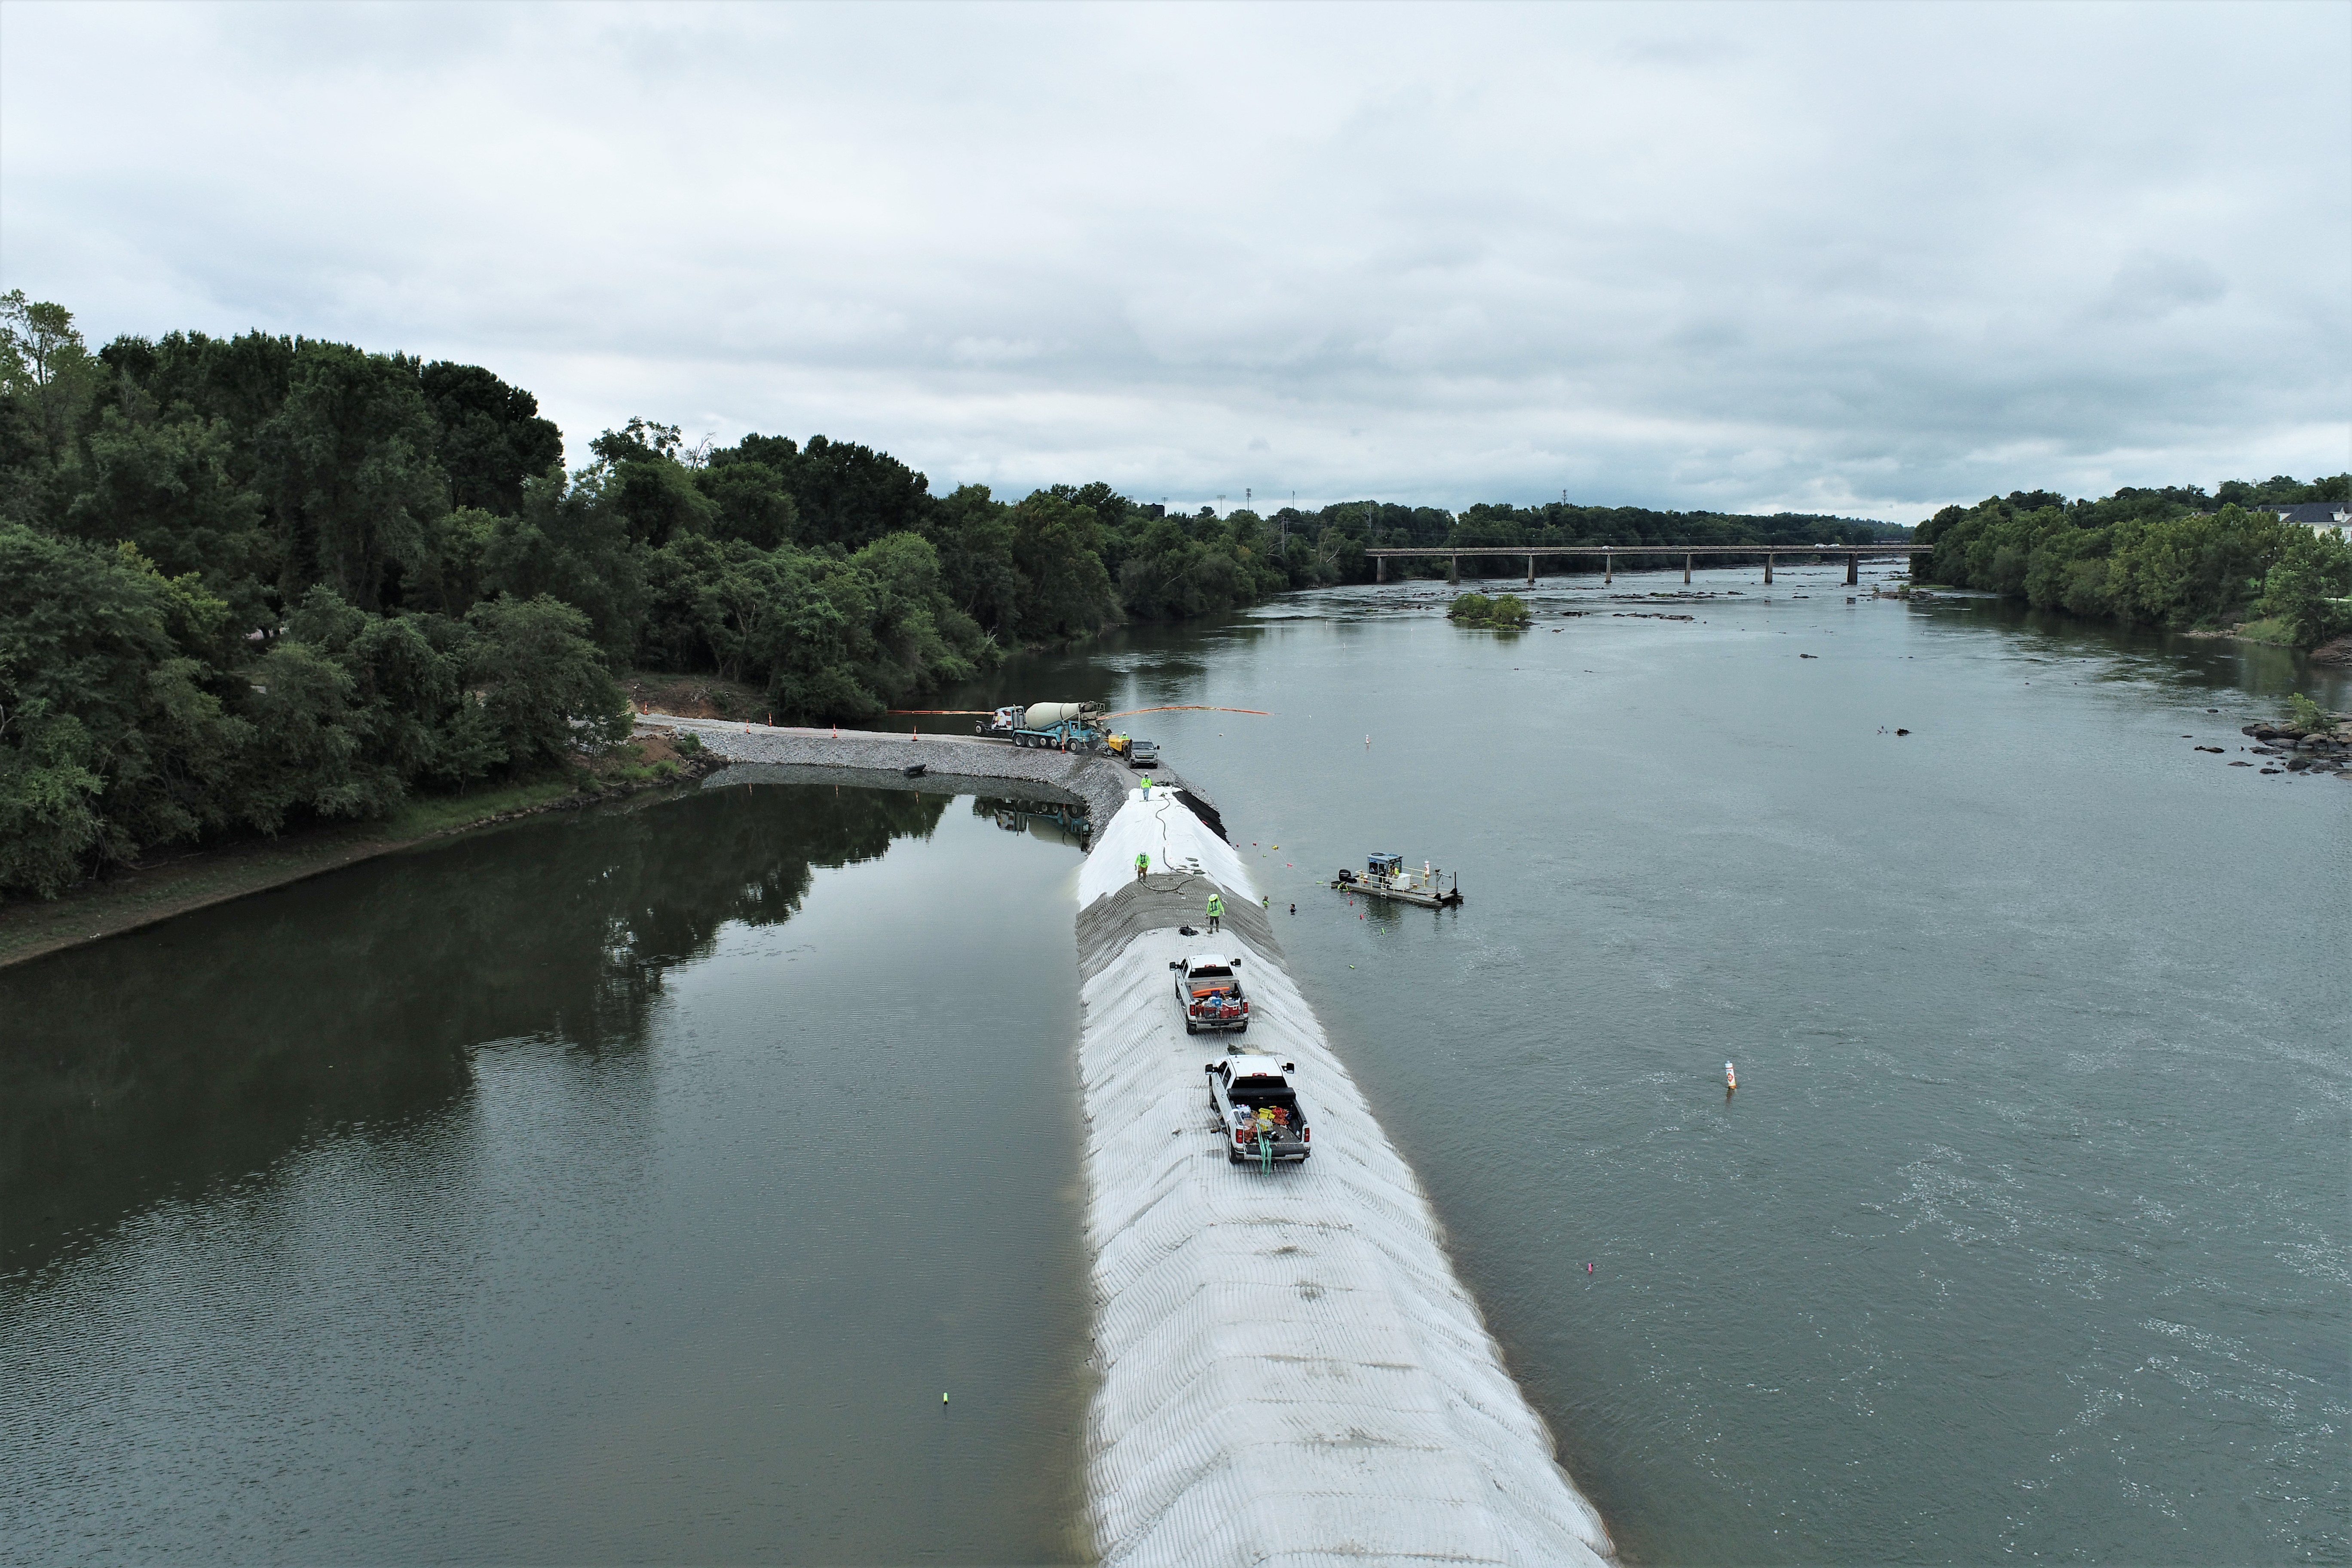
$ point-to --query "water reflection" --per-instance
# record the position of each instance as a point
(204, 1048)
(614, 1188)
(1055, 822)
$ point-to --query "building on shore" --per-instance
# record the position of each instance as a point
(2320, 516)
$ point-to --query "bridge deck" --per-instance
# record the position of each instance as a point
(1654, 550)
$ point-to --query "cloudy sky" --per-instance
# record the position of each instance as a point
(1862, 259)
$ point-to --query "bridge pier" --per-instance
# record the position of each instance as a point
(1454, 569)
(1852, 568)
(1531, 571)
(1380, 568)
(1768, 568)
(1686, 560)
(1608, 567)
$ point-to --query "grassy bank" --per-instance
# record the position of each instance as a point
(174, 886)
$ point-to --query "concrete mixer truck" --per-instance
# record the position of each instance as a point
(1062, 726)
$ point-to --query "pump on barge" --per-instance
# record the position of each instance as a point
(1388, 876)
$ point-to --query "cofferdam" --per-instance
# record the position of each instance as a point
(1291, 1371)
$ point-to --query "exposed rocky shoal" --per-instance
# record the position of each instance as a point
(2298, 751)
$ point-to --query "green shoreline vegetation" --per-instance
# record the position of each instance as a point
(262, 584)
(1506, 613)
(132, 898)
(2174, 557)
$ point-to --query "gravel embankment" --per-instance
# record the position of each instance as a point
(1101, 782)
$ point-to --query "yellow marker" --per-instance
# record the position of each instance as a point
(943, 1397)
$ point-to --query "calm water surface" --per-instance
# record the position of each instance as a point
(2025, 1233)
(626, 1187)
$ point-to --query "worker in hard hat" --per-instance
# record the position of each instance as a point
(1147, 786)
(1142, 864)
(1216, 912)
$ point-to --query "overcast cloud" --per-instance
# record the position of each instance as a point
(1863, 259)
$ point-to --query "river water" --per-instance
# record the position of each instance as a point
(631, 1186)
(627, 1187)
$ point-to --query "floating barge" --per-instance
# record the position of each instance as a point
(1387, 877)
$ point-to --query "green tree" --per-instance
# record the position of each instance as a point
(97, 676)
(973, 534)
(167, 484)
(348, 465)
(748, 502)
(851, 495)
(639, 480)
(1057, 550)
(1506, 612)
(308, 750)
(45, 367)
(543, 680)
(490, 438)
(49, 793)
(571, 541)
(2310, 586)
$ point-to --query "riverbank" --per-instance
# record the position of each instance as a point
(164, 889)
(2275, 633)
(1100, 782)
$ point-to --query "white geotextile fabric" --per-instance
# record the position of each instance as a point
(1166, 829)
(1291, 1373)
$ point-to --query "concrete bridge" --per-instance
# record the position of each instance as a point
(1610, 552)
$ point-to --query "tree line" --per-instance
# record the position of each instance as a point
(2168, 557)
(259, 581)
(253, 582)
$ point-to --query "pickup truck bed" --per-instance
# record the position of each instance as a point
(1209, 994)
(1258, 1113)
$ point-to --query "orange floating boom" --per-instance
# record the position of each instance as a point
(1170, 708)
(1189, 708)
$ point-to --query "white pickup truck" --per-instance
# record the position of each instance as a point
(1209, 994)
(1258, 1110)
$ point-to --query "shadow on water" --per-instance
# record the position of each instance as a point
(2176, 663)
(164, 1061)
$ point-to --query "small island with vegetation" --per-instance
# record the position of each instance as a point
(1505, 613)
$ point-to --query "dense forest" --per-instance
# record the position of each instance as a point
(256, 581)
(2170, 557)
